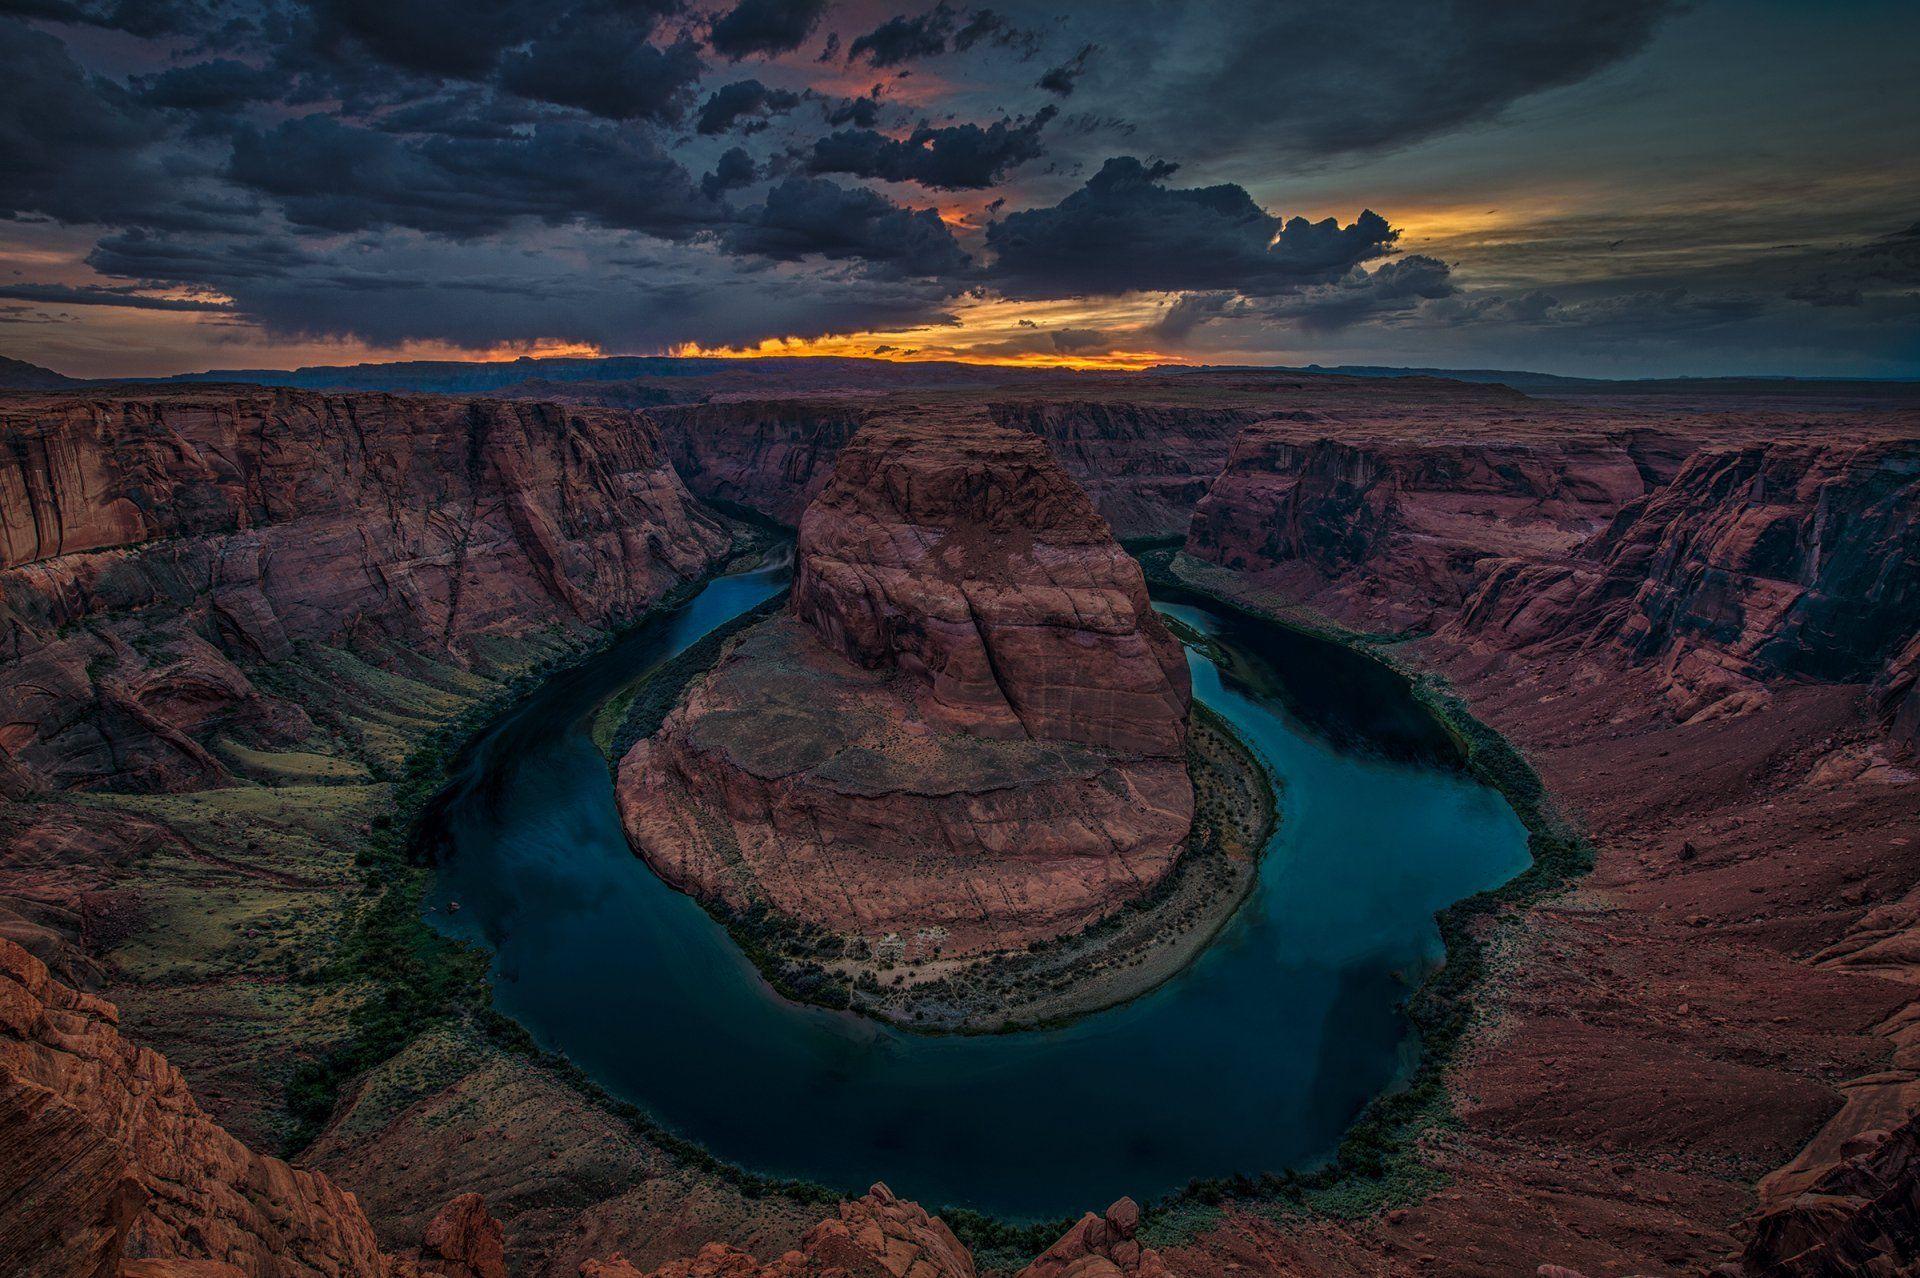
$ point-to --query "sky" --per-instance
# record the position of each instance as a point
(1622, 188)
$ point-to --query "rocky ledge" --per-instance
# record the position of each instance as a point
(967, 735)
(160, 548)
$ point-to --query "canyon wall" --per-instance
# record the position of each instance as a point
(1718, 561)
(1756, 563)
(160, 548)
(1388, 528)
(971, 724)
(1144, 464)
(770, 456)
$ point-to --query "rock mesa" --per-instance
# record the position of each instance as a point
(970, 723)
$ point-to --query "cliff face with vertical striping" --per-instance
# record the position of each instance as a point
(1145, 465)
(158, 549)
(971, 722)
(1756, 563)
(1389, 529)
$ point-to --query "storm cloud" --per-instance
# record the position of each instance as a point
(1126, 230)
(765, 27)
(960, 157)
(805, 217)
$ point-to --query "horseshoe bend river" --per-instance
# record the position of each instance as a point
(1255, 1058)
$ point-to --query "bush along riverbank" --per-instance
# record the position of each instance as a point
(1378, 1163)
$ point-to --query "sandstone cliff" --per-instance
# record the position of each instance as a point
(971, 727)
(159, 548)
(771, 456)
(1386, 527)
(1769, 561)
(1145, 465)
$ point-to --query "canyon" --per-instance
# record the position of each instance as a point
(233, 613)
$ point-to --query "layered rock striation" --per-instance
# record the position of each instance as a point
(1772, 561)
(770, 456)
(1390, 528)
(970, 726)
(1145, 465)
(158, 548)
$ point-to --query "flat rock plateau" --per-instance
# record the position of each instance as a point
(234, 615)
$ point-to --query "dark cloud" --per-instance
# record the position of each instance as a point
(747, 100)
(805, 217)
(1395, 287)
(1126, 230)
(149, 18)
(904, 39)
(436, 37)
(1293, 77)
(220, 85)
(606, 66)
(733, 170)
(862, 113)
(1062, 78)
(118, 295)
(959, 157)
(994, 28)
(338, 177)
(404, 287)
(765, 27)
(79, 148)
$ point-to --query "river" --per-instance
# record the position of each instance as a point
(1255, 1058)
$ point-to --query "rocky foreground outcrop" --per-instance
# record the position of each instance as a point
(111, 1167)
(157, 548)
(970, 727)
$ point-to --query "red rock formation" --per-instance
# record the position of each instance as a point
(1898, 692)
(140, 1168)
(877, 1236)
(1384, 526)
(771, 456)
(158, 544)
(1145, 465)
(1755, 563)
(464, 1241)
(968, 559)
(111, 1168)
(1100, 1247)
(973, 721)
(1859, 1219)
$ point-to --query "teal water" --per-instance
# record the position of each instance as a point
(1255, 1058)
